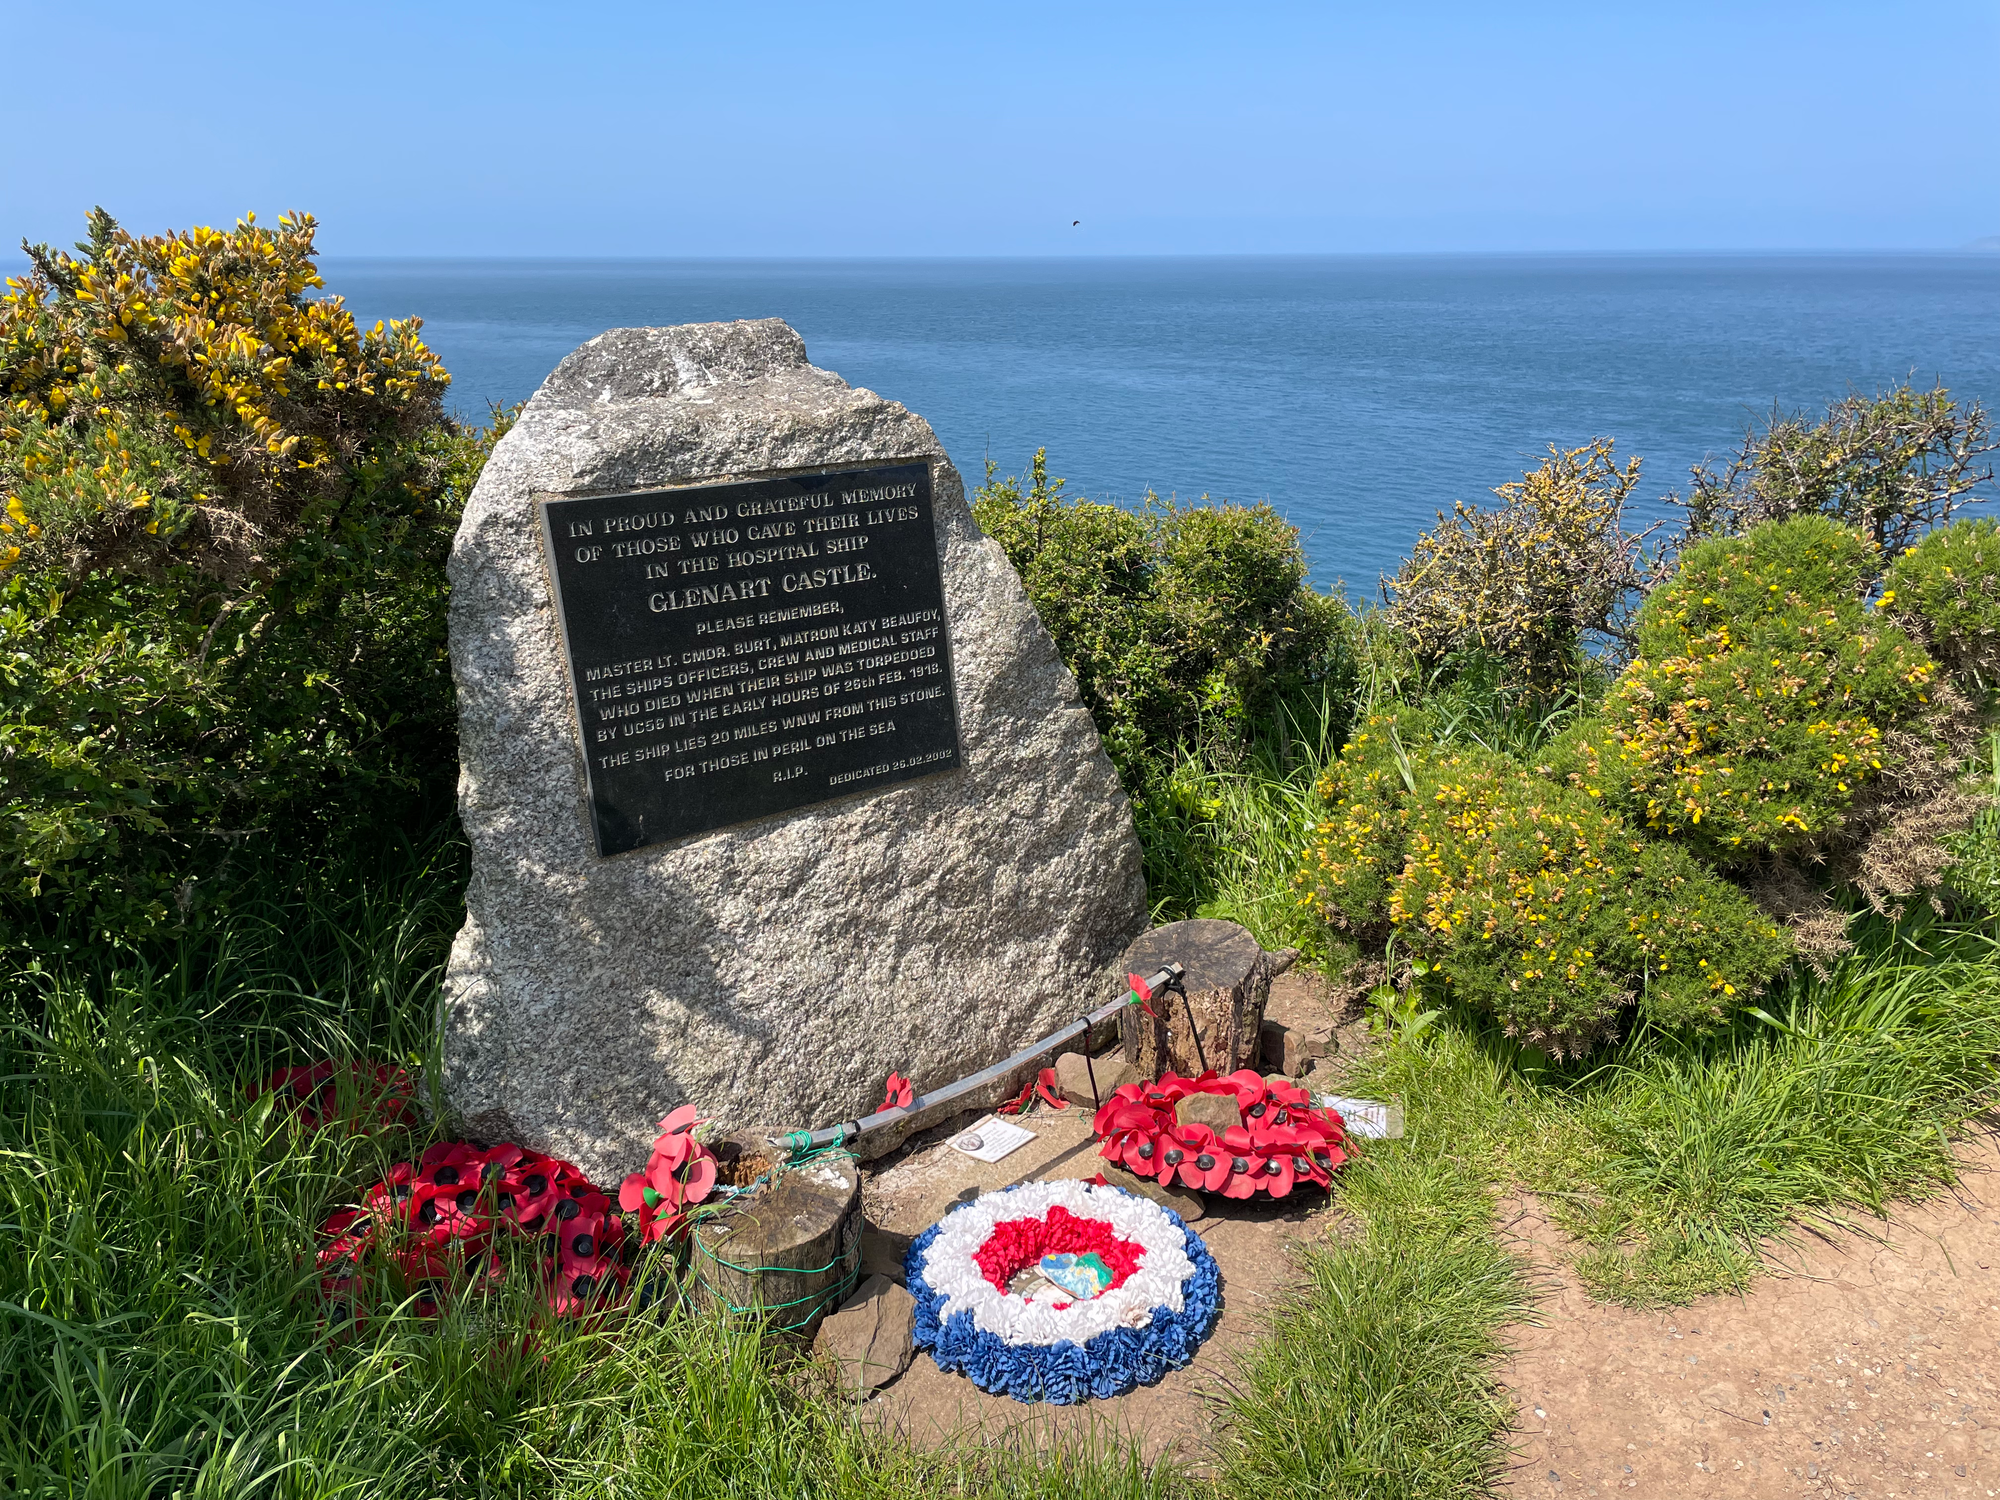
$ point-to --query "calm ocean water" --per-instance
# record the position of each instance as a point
(1358, 395)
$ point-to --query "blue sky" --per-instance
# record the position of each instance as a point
(937, 129)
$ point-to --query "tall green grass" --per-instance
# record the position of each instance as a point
(160, 1332)
(160, 1328)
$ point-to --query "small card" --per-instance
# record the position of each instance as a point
(991, 1138)
(1085, 1277)
(1366, 1118)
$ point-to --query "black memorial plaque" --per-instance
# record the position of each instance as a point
(738, 650)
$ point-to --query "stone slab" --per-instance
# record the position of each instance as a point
(780, 968)
(870, 1339)
(1073, 1077)
(914, 1194)
(1219, 1112)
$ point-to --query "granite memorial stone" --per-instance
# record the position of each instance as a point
(774, 781)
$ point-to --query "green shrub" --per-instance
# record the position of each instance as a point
(1531, 582)
(1179, 622)
(1946, 589)
(1764, 700)
(1891, 466)
(1527, 898)
(222, 596)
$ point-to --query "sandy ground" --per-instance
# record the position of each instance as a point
(1865, 1368)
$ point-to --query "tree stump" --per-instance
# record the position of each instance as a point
(790, 1249)
(1228, 979)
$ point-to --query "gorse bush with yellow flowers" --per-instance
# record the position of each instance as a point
(221, 578)
(1538, 579)
(1946, 591)
(1525, 897)
(1766, 699)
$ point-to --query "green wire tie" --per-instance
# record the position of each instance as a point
(838, 1289)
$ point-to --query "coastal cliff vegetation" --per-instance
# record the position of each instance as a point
(1664, 862)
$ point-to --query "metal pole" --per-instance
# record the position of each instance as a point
(847, 1130)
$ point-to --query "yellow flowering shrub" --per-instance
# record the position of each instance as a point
(1947, 589)
(226, 512)
(183, 388)
(1350, 864)
(1526, 897)
(1764, 700)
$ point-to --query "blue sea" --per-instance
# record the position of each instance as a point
(1359, 395)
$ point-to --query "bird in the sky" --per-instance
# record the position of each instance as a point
(1074, 222)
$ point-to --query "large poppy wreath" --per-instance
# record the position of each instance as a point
(1280, 1139)
(1059, 1291)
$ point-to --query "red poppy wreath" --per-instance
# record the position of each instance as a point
(435, 1222)
(1280, 1139)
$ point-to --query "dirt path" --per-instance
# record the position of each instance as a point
(1868, 1369)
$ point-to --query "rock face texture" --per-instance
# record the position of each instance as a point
(775, 970)
(871, 1339)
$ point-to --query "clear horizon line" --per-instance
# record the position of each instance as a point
(1968, 250)
(1975, 249)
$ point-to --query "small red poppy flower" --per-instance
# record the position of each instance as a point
(1246, 1163)
(586, 1268)
(1019, 1102)
(1123, 1097)
(1045, 1085)
(538, 1184)
(680, 1118)
(388, 1202)
(1287, 1095)
(1280, 1172)
(1248, 1086)
(680, 1173)
(351, 1233)
(1132, 1139)
(899, 1094)
(445, 1194)
(1187, 1155)
(1210, 1161)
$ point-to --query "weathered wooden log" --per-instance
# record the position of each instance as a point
(789, 1249)
(1228, 977)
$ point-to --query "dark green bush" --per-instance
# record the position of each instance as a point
(1181, 623)
(222, 596)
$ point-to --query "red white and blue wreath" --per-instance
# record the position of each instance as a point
(1059, 1291)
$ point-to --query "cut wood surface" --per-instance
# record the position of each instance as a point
(1228, 977)
(791, 1246)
